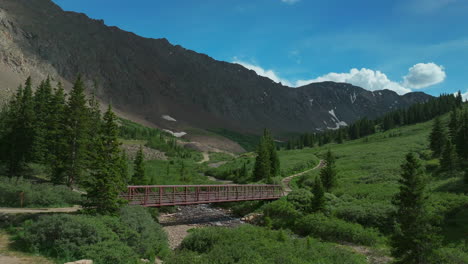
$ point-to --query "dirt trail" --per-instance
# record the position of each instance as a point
(5, 210)
(8, 256)
(206, 157)
(287, 180)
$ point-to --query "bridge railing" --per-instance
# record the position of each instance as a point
(163, 195)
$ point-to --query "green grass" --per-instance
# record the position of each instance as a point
(368, 172)
(293, 161)
(219, 156)
(161, 172)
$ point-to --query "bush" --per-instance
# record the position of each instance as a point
(333, 229)
(242, 208)
(301, 199)
(104, 239)
(151, 237)
(110, 252)
(64, 236)
(249, 244)
(35, 195)
(368, 214)
(282, 213)
(451, 255)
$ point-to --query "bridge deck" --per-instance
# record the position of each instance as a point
(164, 195)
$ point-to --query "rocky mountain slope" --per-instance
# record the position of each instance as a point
(160, 82)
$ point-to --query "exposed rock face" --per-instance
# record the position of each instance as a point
(152, 78)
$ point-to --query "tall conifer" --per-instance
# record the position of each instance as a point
(106, 181)
(77, 125)
(449, 160)
(139, 177)
(57, 139)
(437, 137)
(328, 173)
(414, 238)
(318, 201)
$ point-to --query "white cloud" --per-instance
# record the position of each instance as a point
(419, 76)
(265, 73)
(465, 96)
(366, 78)
(290, 1)
(423, 75)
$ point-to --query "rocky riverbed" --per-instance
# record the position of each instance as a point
(195, 216)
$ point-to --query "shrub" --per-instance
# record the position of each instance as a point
(301, 199)
(333, 229)
(151, 238)
(368, 214)
(250, 244)
(104, 239)
(282, 213)
(35, 195)
(64, 236)
(202, 242)
(110, 251)
(451, 255)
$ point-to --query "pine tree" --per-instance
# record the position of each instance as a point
(449, 159)
(76, 126)
(42, 104)
(94, 119)
(244, 174)
(262, 162)
(20, 135)
(461, 139)
(267, 164)
(124, 167)
(328, 173)
(414, 237)
(57, 137)
(106, 181)
(273, 155)
(437, 137)
(139, 177)
(453, 124)
(318, 202)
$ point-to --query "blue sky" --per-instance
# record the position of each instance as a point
(403, 45)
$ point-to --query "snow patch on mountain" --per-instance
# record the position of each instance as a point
(353, 97)
(168, 118)
(175, 134)
(338, 123)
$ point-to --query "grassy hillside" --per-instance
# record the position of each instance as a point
(368, 172)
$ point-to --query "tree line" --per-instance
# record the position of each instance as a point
(449, 142)
(70, 136)
(419, 112)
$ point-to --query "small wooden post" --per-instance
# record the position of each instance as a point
(21, 198)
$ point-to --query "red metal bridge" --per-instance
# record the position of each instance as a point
(164, 195)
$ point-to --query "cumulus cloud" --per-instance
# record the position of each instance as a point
(265, 73)
(465, 96)
(419, 76)
(290, 1)
(423, 75)
(366, 78)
